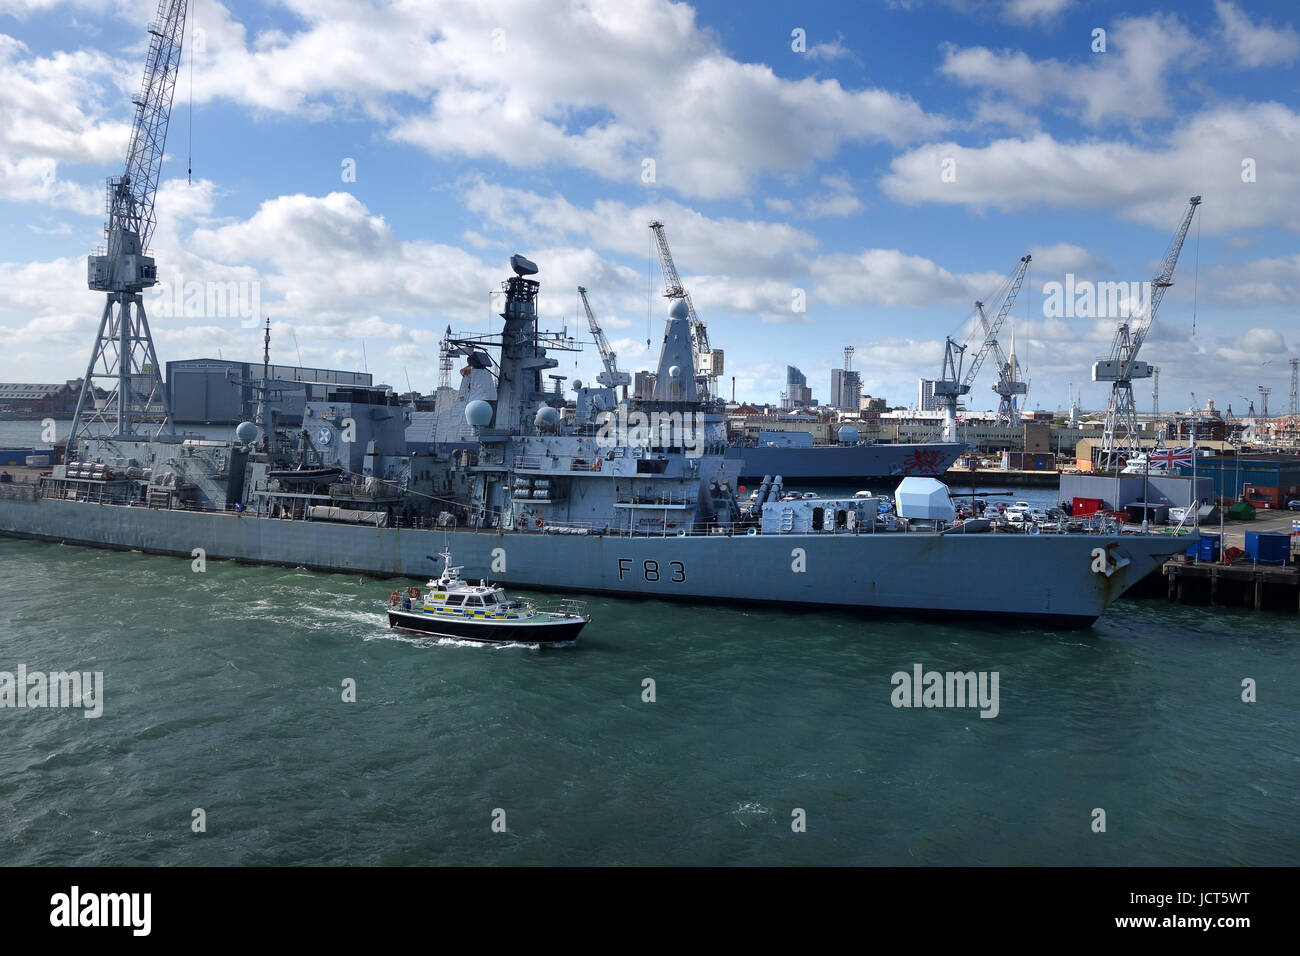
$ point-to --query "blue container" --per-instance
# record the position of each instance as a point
(1268, 547)
(15, 456)
(1206, 549)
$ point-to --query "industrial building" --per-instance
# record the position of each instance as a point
(222, 392)
(1265, 480)
(57, 399)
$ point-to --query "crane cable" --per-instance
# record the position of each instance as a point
(1196, 274)
(189, 172)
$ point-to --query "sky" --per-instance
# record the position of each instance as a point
(829, 175)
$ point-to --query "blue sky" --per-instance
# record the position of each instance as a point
(478, 130)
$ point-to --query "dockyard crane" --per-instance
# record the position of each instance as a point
(611, 377)
(952, 384)
(1008, 385)
(124, 352)
(1122, 366)
(708, 362)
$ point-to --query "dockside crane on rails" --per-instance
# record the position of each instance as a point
(1120, 439)
(952, 383)
(137, 404)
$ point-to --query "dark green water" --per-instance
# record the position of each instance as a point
(223, 691)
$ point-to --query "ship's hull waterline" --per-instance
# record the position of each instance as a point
(955, 574)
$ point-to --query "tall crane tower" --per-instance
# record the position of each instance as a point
(708, 362)
(952, 384)
(1009, 385)
(1122, 366)
(137, 405)
(1155, 390)
(611, 377)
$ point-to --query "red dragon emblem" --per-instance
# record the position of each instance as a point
(923, 462)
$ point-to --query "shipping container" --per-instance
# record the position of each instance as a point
(1268, 547)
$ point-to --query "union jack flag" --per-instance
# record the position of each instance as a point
(1170, 457)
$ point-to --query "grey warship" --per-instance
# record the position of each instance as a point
(635, 498)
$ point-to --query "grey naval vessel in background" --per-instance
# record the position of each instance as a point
(599, 503)
(849, 460)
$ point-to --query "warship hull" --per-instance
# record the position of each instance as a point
(837, 464)
(948, 574)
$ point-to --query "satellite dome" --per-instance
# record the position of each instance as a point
(522, 266)
(848, 435)
(679, 310)
(577, 385)
(247, 432)
(478, 413)
(546, 415)
(674, 372)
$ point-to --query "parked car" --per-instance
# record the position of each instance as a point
(1294, 504)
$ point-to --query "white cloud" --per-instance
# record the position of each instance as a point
(53, 114)
(832, 50)
(1272, 281)
(700, 244)
(1060, 258)
(1034, 11)
(604, 86)
(1125, 84)
(1256, 44)
(1144, 183)
(890, 277)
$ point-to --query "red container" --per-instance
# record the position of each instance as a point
(1081, 507)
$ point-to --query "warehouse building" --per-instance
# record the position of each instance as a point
(222, 392)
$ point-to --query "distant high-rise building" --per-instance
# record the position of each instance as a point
(846, 388)
(796, 394)
(925, 400)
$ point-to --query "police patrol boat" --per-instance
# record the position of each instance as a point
(449, 606)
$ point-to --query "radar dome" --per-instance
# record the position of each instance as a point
(546, 415)
(848, 434)
(478, 413)
(522, 266)
(577, 385)
(679, 310)
(247, 432)
(674, 372)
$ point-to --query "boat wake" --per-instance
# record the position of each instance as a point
(431, 641)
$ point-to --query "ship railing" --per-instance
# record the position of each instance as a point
(566, 607)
